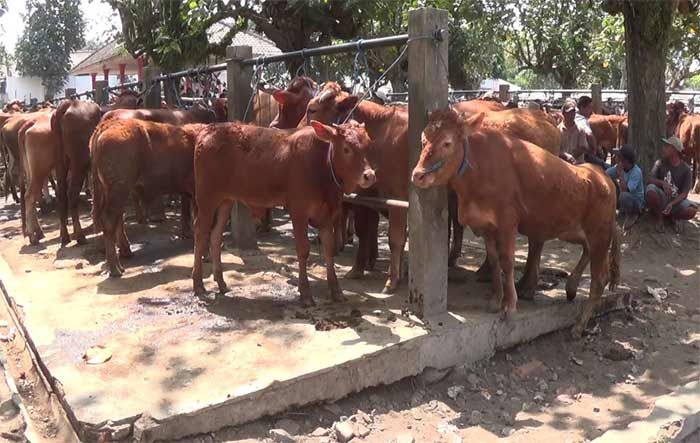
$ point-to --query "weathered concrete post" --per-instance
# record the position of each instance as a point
(69, 92)
(597, 96)
(503, 92)
(239, 91)
(152, 98)
(101, 96)
(170, 92)
(427, 213)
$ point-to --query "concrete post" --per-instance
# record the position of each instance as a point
(152, 99)
(101, 96)
(597, 97)
(503, 92)
(169, 91)
(427, 212)
(238, 83)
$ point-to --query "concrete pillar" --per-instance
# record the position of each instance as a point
(503, 92)
(101, 96)
(94, 79)
(597, 97)
(239, 91)
(427, 212)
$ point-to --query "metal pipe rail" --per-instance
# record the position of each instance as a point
(392, 40)
(187, 72)
(374, 202)
(123, 85)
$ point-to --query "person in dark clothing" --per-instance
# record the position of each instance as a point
(668, 186)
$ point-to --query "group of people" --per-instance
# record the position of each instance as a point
(668, 183)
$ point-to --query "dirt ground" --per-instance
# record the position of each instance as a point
(550, 390)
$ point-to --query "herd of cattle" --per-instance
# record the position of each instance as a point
(502, 166)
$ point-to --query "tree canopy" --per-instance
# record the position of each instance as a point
(534, 42)
(53, 29)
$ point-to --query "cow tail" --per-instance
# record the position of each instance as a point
(97, 194)
(7, 180)
(56, 119)
(614, 257)
(22, 180)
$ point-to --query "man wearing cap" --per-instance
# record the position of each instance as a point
(630, 186)
(573, 138)
(669, 183)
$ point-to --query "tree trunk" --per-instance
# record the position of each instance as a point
(647, 30)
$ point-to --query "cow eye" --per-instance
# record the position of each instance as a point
(346, 150)
(311, 111)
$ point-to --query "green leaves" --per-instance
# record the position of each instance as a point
(53, 29)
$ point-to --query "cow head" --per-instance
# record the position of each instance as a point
(445, 150)
(347, 154)
(292, 102)
(332, 104)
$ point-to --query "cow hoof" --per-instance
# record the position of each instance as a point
(493, 306)
(115, 273)
(34, 240)
(81, 240)
(526, 294)
(223, 289)
(570, 294)
(389, 289)
(307, 301)
(199, 290)
(40, 235)
(354, 274)
(577, 332)
(337, 296)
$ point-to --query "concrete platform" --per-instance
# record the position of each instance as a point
(180, 365)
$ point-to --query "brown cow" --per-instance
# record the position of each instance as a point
(676, 112)
(471, 107)
(606, 130)
(72, 125)
(689, 133)
(196, 114)
(307, 171)
(526, 124)
(505, 186)
(9, 137)
(38, 154)
(387, 126)
(144, 157)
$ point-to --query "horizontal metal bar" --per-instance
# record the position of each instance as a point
(123, 85)
(327, 50)
(374, 201)
(203, 70)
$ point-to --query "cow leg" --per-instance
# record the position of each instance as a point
(222, 216)
(494, 262)
(300, 226)
(338, 234)
(373, 239)
(186, 217)
(362, 229)
(397, 241)
(454, 228)
(110, 229)
(350, 225)
(528, 282)
(77, 178)
(328, 243)
(123, 241)
(575, 276)
(139, 206)
(61, 196)
(33, 227)
(506, 255)
(599, 272)
(45, 197)
(202, 227)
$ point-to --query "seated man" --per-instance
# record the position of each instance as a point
(630, 187)
(669, 183)
(585, 110)
(573, 138)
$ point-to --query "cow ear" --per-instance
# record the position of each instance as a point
(282, 97)
(347, 103)
(325, 133)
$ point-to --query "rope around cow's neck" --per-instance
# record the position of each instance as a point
(330, 165)
(463, 166)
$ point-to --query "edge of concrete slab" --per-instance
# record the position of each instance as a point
(451, 340)
(683, 406)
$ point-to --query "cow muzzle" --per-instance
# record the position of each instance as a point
(423, 178)
(368, 178)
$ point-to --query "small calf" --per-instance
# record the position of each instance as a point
(306, 170)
